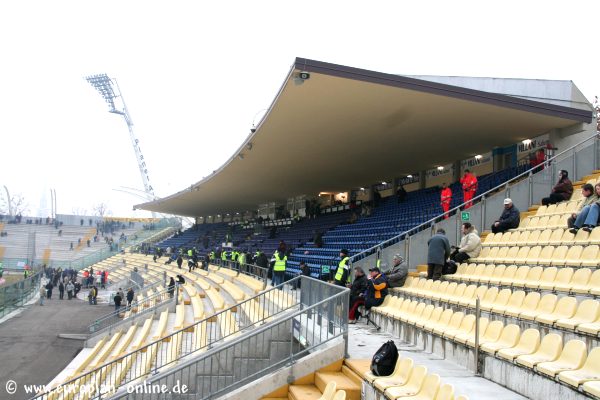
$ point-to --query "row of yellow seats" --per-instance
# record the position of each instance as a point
(410, 380)
(564, 207)
(564, 279)
(542, 237)
(574, 256)
(564, 313)
(571, 364)
(545, 221)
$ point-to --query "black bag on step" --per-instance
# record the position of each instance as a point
(384, 359)
(449, 268)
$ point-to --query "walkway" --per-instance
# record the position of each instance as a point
(30, 350)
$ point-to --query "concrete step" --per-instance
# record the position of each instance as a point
(343, 382)
(304, 392)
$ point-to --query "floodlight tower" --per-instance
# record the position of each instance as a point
(109, 90)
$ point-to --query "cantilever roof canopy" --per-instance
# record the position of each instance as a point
(346, 127)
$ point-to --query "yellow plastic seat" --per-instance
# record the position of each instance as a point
(573, 257)
(555, 238)
(460, 269)
(588, 311)
(571, 358)
(339, 395)
(454, 323)
(532, 222)
(485, 251)
(467, 324)
(563, 280)
(469, 271)
(523, 254)
(424, 316)
(446, 392)
(491, 334)
(512, 238)
(524, 223)
(590, 371)
(514, 303)
(440, 292)
(582, 237)
(329, 391)
(487, 300)
(429, 388)
(480, 292)
(523, 237)
(581, 280)
(467, 295)
(510, 256)
(411, 387)
(542, 210)
(542, 239)
(490, 239)
(501, 300)
(528, 343)
(400, 308)
(528, 303)
(594, 283)
(590, 327)
(546, 281)
(546, 305)
(432, 290)
(592, 387)
(559, 257)
(491, 255)
(557, 221)
(400, 376)
(545, 256)
(565, 308)
(487, 273)
(442, 322)
(420, 291)
(509, 275)
(508, 338)
(520, 278)
(500, 256)
(457, 294)
(464, 337)
(567, 238)
(590, 256)
(414, 312)
(433, 318)
(476, 273)
(594, 237)
(549, 350)
(534, 276)
(497, 274)
(462, 397)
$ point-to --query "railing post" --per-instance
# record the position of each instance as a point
(477, 317)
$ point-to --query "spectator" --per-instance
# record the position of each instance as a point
(396, 276)
(561, 191)
(130, 295)
(445, 199)
(509, 219)
(437, 254)
(470, 244)
(342, 274)
(401, 194)
(469, 186)
(77, 288)
(587, 217)
(171, 287)
(49, 287)
(92, 295)
(357, 294)
(180, 279)
(61, 290)
(117, 299)
(70, 288)
(42, 294)
(376, 288)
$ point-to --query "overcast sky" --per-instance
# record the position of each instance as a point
(196, 75)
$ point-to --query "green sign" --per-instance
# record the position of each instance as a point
(465, 216)
(324, 269)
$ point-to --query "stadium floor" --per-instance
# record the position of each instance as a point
(31, 351)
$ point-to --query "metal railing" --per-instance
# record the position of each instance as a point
(189, 340)
(525, 189)
(252, 270)
(15, 295)
(322, 319)
(137, 308)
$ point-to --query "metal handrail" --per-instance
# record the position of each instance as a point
(145, 350)
(23, 295)
(336, 305)
(395, 239)
(113, 318)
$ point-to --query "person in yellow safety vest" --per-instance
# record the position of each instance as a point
(279, 268)
(342, 274)
(211, 256)
(223, 257)
(190, 253)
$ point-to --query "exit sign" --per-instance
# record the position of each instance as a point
(465, 216)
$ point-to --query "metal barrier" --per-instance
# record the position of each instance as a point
(18, 293)
(205, 334)
(252, 270)
(141, 307)
(323, 317)
(525, 189)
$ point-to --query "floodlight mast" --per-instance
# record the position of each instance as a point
(109, 90)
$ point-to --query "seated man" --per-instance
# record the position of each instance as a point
(470, 244)
(376, 288)
(587, 216)
(561, 191)
(357, 293)
(509, 219)
(397, 275)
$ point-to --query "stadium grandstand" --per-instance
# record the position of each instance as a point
(371, 152)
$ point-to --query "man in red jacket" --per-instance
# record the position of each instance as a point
(445, 199)
(469, 185)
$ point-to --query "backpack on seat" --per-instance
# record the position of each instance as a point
(449, 268)
(384, 359)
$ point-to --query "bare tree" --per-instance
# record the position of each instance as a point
(17, 202)
(101, 209)
(79, 211)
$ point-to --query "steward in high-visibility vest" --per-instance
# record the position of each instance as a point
(342, 274)
(280, 262)
(211, 255)
(190, 253)
(223, 255)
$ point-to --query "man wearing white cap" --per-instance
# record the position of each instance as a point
(509, 219)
